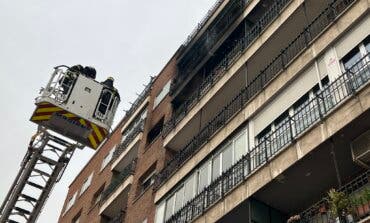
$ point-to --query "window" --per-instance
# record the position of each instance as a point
(108, 158)
(169, 207)
(147, 179)
(216, 167)
(189, 188)
(71, 202)
(162, 94)
(240, 147)
(155, 131)
(351, 58)
(227, 157)
(134, 124)
(367, 44)
(204, 176)
(76, 219)
(97, 195)
(148, 182)
(179, 199)
(86, 183)
(159, 214)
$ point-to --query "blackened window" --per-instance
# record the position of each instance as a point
(155, 131)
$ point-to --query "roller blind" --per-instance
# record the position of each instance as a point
(353, 37)
(285, 99)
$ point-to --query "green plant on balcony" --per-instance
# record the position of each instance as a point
(360, 202)
(339, 205)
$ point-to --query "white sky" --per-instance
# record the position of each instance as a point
(129, 40)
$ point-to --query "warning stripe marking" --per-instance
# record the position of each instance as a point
(45, 110)
(91, 137)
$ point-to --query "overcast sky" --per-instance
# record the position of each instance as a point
(129, 40)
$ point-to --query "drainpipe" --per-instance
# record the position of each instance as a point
(332, 152)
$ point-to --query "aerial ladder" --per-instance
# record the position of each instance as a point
(73, 111)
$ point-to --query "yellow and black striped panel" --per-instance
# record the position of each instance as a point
(44, 112)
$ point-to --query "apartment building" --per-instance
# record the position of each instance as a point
(259, 113)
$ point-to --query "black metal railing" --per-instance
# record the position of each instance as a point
(238, 47)
(141, 97)
(118, 180)
(137, 129)
(260, 81)
(312, 112)
(203, 45)
(319, 212)
(202, 22)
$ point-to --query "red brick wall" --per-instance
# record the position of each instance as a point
(141, 204)
(89, 212)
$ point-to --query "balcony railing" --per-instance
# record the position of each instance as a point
(201, 48)
(287, 55)
(239, 46)
(313, 111)
(319, 211)
(202, 22)
(141, 97)
(123, 146)
(118, 180)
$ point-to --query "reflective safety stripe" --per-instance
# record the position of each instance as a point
(45, 110)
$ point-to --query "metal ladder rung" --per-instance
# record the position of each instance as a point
(48, 160)
(29, 198)
(41, 172)
(54, 147)
(35, 185)
(24, 211)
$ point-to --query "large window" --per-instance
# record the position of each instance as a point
(203, 176)
(71, 202)
(86, 183)
(162, 94)
(107, 158)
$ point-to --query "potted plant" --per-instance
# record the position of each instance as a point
(357, 205)
(365, 200)
(339, 206)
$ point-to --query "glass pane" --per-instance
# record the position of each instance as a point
(179, 199)
(240, 147)
(216, 171)
(169, 207)
(203, 177)
(351, 58)
(367, 44)
(189, 188)
(159, 213)
(227, 157)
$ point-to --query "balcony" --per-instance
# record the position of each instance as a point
(255, 86)
(237, 48)
(114, 197)
(203, 46)
(128, 149)
(359, 203)
(319, 108)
